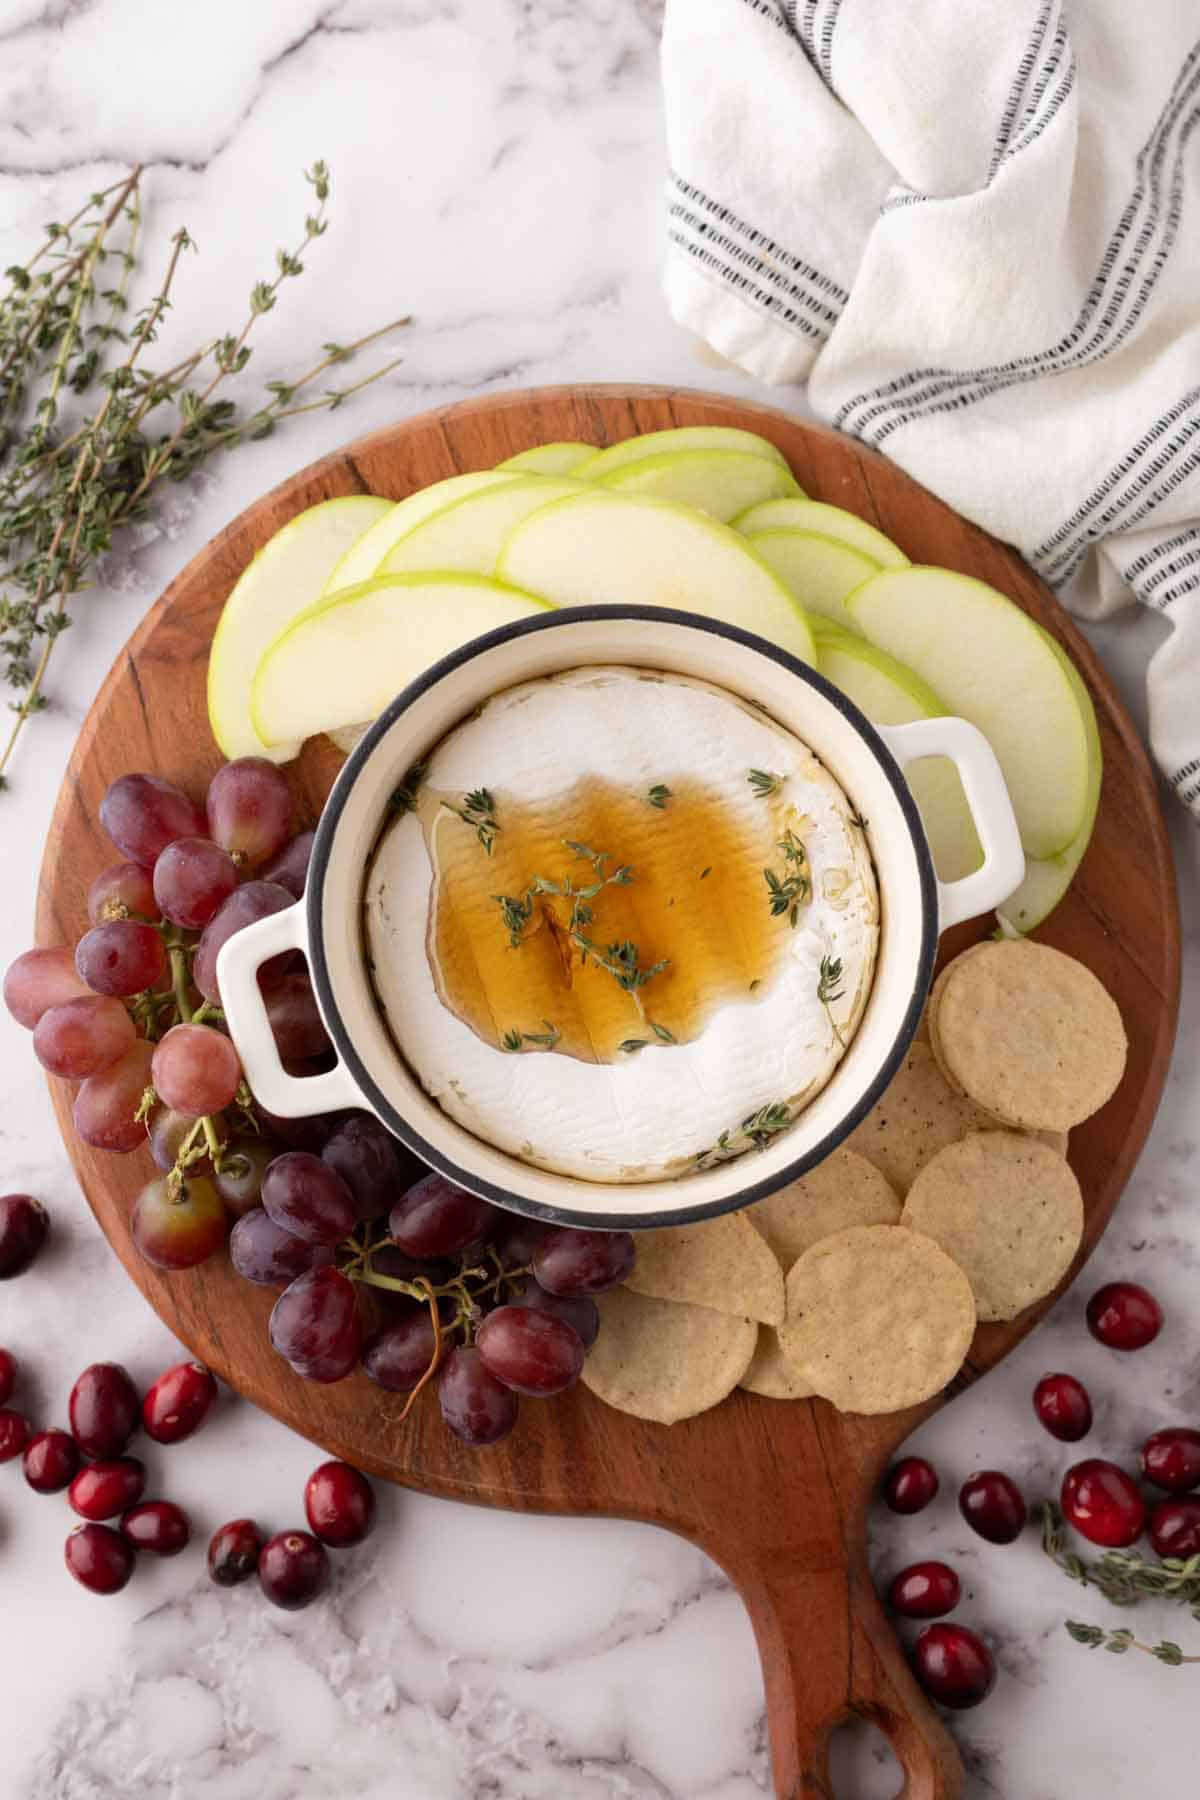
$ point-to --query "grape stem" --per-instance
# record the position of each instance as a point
(179, 981)
(434, 1360)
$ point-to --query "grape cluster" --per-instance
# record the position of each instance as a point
(327, 1208)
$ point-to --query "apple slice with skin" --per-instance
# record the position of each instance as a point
(602, 548)
(348, 656)
(891, 694)
(793, 514)
(470, 533)
(819, 571)
(682, 437)
(720, 482)
(364, 558)
(992, 666)
(548, 459)
(285, 577)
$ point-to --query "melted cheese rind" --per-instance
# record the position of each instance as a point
(653, 1114)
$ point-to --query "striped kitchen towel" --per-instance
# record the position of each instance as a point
(974, 230)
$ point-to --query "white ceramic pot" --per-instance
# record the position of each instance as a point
(867, 760)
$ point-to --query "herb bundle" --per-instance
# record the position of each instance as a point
(89, 433)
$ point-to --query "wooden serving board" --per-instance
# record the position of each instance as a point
(776, 1492)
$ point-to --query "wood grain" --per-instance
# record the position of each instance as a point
(776, 1493)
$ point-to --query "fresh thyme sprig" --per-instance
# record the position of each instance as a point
(658, 796)
(72, 475)
(403, 799)
(829, 989)
(630, 1045)
(478, 810)
(621, 960)
(787, 892)
(544, 1040)
(1123, 1576)
(764, 782)
(755, 1131)
(1095, 1637)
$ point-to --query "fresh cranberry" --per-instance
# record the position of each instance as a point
(15, 1432)
(178, 1402)
(1124, 1316)
(8, 1376)
(924, 1590)
(234, 1552)
(1064, 1407)
(1175, 1528)
(103, 1410)
(103, 1489)
(99, 1558)
(954, 1666)
(340, 1504)
(157, 1525)
(51, 1459)
(1101, 1501)
(910, 1485)
(1171, 1459)
(292, 1569)
(992, 1505)
(24, 1223)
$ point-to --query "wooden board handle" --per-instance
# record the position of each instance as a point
(829, 1655)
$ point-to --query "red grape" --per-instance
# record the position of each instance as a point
(234, 1552)
(954, 1666)
(158, 1526)
(51, 1459)
(477, 1408)
(80, 1037)
(290, 867)
(245, 906)
(178, 1403)
(8, 1376)
(123, 891)
(15, 1433)
(570, 1262)
(315, 1326)
(24, 1227)
(196, 1070)
(529, 1351)
(310, 1132)
(924, 1590)
(293, 1568)
(1124, 1316)
(436, 1218)
(306, 1197)
(514, 1238)
(121, 958)
(177, 1230)
(396, 1357)
(99, 1558)
(103, 1489)
(374, 1166)
(296, 1018)
(39, 980)
(193, 878)
(340, 1504)
(142, 814)
(239, 1179)
(106, 1104)
(167, 1131)
(103, 1410)
(249, 809)
(1170, 1458)
(580, 1313)
(1102, 1502)
(262, 1252)
(1064, 1407)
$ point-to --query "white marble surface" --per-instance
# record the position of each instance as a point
(497, 174)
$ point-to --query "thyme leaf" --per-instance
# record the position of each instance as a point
(658, 796)
(786, 893)
(829, 989)
(478, 810)
(764, 782)
(544, 1040)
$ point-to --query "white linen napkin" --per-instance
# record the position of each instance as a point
(974, 230)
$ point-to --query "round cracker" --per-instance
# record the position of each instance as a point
(879, 1318)
(665, 1360)
(771, 1373)
(1007, 1209)
(721, 1262)
(1030, 1034)
(843, 1190)
(917, 1115)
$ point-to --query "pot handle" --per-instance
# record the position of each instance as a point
(1003, 867)
(238, 963)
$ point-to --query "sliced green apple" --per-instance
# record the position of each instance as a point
(719, 482)
(549, 459)
(602, 548)
(404, 516)
(819, 571)
(349, 655)
(791, 513)
(683, 437)
(891, 694)
(285, 577)
(991, 665)
(470, 533)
